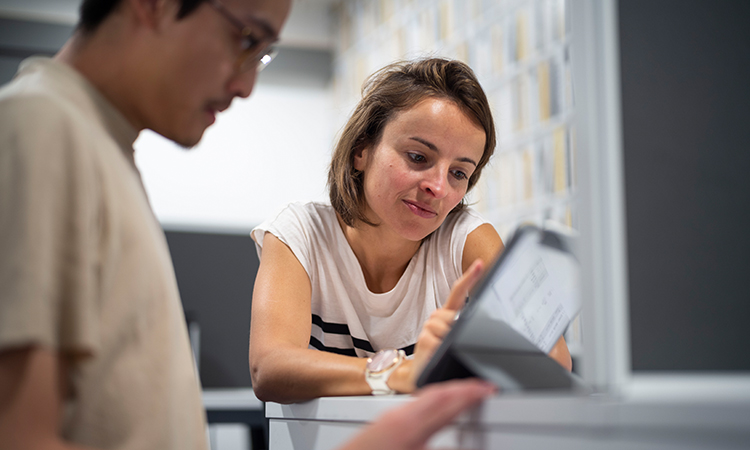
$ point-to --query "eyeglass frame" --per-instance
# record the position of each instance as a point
(262, 57)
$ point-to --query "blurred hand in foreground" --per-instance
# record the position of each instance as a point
(411, 426)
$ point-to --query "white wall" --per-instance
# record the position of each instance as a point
(261, 154)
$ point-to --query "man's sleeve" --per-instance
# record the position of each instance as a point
(48, 252)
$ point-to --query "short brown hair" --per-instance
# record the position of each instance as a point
(93, 13)
(395, 88)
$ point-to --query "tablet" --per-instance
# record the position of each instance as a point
(515, 315)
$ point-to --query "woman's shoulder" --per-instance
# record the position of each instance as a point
(463, 221)
(298, 220)
(303, 213)
(447, 243)
(308, 215)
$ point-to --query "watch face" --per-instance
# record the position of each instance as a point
(382, 360)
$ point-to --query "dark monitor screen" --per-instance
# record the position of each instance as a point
(215, 274)
(685, 74)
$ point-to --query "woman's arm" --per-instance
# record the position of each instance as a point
(484, 243)
(282, 367)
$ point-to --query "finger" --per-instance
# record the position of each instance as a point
(451, 388)
(463, 285)
(437, 328)
(443, 315)
(561, 354)
(412, 425)
(438, 325)
(433, 331)
(438, 404)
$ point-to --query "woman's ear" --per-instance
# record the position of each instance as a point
(360, 158)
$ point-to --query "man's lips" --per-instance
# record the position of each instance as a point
(420, 210)
(215, 108)
(211, 114)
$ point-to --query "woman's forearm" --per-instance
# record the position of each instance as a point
(288, 375)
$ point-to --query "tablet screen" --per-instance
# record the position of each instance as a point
(534, 288)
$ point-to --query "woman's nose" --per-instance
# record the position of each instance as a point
(435, 182)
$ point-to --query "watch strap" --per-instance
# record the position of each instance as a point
(378, 381)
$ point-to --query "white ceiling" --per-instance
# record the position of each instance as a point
(310, 24)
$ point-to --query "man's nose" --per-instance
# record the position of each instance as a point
(242, 83)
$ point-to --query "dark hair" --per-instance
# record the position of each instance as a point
(395, 88)
(94, 12)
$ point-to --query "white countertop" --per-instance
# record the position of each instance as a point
(653, 413)
(550, 409)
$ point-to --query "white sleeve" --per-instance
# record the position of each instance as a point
(453, 233)
(294, 226)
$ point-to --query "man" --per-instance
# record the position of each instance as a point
(93, 346)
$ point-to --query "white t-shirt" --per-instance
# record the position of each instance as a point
(349, 319)
(85, 269)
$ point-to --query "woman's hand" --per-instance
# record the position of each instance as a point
(561, 354)
(404, 379)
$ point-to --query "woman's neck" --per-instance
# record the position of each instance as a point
(382, 255)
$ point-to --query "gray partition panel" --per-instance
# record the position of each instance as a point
(685, 69)
(216, 274)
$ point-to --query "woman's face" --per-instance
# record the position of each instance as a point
(420, 169)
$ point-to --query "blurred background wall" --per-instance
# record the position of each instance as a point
(519, 51)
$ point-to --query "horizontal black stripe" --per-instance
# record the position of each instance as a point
(357, 343)
(343, 329)
(409, 350)
(339, 351)
(363, 345)
(332, 328)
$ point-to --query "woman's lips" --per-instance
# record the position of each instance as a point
(421, 211)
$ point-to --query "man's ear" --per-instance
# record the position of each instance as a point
(150, 13)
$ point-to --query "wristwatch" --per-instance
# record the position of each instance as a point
(380, 367)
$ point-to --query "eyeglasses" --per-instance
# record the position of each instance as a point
(256, 53)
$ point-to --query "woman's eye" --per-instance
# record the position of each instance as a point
(460, 175)
(416, 157)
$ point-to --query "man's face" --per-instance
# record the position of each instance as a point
(194, 64)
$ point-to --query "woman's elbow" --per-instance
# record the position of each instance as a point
(266, 384)
(261, 387)
(262, 390)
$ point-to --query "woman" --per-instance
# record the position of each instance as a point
(368, 272)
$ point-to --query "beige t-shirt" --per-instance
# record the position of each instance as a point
(85, 268)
